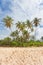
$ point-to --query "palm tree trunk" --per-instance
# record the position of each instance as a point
(11, 30)
(35, 33)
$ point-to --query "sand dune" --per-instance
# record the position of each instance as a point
(21, 56)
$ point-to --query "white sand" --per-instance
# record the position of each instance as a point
(21, 56)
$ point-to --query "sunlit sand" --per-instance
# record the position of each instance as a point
(21, 56)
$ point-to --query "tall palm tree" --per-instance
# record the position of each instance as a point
(23, 26)
(20, 25)
(28, 24)
(8, 21)
(36, 22)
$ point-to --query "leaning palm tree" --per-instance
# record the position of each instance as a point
(8, 21)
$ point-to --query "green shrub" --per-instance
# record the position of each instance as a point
(13, 43)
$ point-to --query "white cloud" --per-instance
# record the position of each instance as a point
(29, 10)
(24, 9)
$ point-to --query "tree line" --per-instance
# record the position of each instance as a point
(23, 31)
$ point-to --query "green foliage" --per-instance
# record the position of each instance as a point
(11, 43)
(8, 21)
(14, 44)
(36, 21)
(5, 42)
(35, 43)
(21, 36)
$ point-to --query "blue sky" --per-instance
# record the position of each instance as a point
(21, 10)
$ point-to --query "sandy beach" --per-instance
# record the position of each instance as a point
(21, 56)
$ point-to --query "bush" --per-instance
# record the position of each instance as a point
(9, 43)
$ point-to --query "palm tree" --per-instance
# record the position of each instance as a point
(21, 39)
(20, 26)
(28, 24)
(36, 22)
(23, 26)
(15, 34)
(8, 21)
(26, 35)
